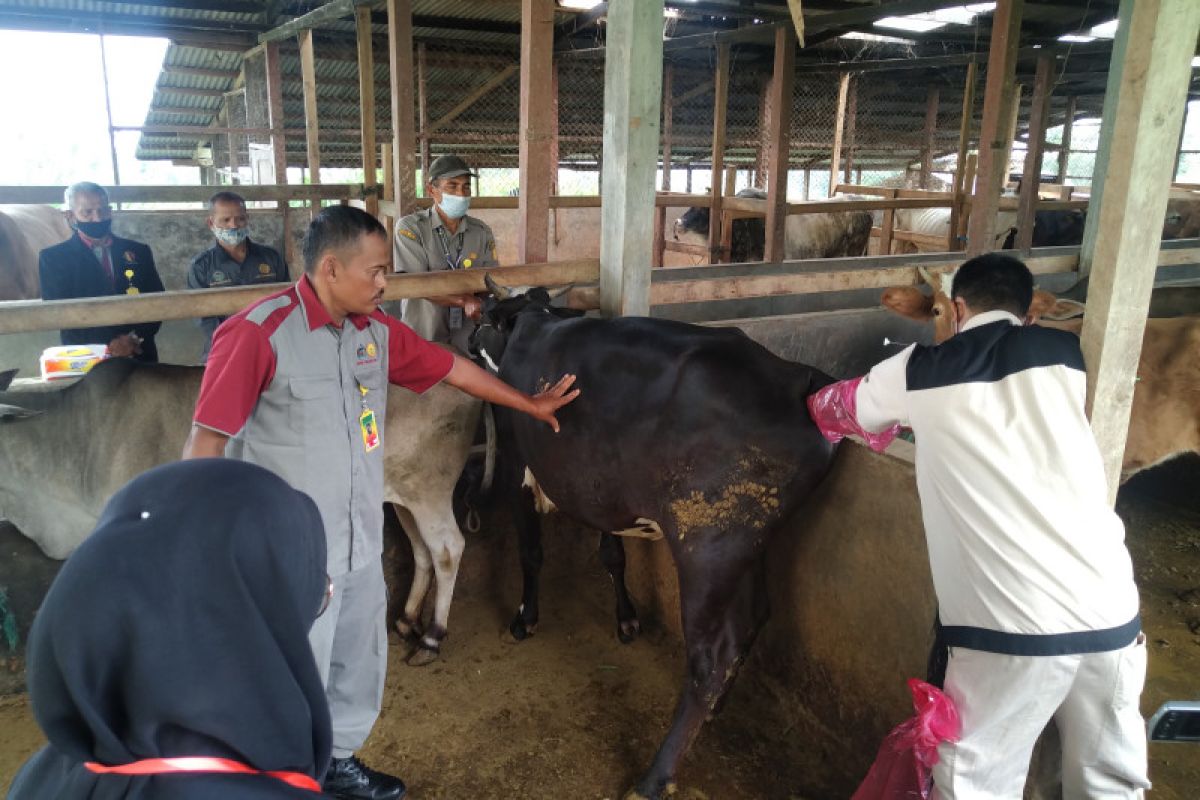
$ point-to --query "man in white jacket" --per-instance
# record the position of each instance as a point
(1034, 582)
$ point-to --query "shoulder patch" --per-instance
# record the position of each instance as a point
(406, 233)
(258, 315)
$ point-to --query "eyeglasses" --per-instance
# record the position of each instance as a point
(328, 594)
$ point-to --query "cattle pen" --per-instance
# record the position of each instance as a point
(593, 127)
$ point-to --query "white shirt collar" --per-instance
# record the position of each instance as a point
(988, 317)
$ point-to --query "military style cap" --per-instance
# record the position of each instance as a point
(448, 167)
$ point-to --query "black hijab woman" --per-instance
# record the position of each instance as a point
(170, 657)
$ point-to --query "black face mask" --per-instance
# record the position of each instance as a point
(94, 230)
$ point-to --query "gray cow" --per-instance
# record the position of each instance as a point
(63, 453)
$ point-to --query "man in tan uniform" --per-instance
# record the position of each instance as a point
(444, 237)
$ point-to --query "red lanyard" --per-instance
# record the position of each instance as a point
(161, 766)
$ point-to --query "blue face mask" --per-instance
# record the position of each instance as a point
(453, 206)
(231, 236)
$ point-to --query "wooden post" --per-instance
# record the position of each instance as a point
(275, 113)
(932, 97)
(778, 133)
(964, 128)
(851, 123)
(762, 148)
(720, 107)
(1064, 151)
(366, 103)
(660, 212)
(997, 105)
(308, 73)
(839, 123)
(632, 96)
(537, 48)
(960, 164)
(112, 136)
(554, 144)
(1031, 175)
(1143, 111)
(423, 110)
(807, 181)
(389, 179)
(888, 227)
(404, 140)
(1012, 120)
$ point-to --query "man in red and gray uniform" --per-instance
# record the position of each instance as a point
(1034, 584)
(297, 383)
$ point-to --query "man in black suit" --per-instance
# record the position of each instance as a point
(94, 263)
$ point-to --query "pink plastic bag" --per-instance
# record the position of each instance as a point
(835, 410)
(903, 769)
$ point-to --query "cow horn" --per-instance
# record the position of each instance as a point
(496, 289)
(925, 276)
(560, 291)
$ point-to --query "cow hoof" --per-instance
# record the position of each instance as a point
(520, 630)
(641, 793)
(421, 657)
(628, 630)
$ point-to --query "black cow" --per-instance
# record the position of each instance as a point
(696, 434)
(749, 238)
(1053, 229)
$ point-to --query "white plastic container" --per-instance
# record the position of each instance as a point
(71, 361)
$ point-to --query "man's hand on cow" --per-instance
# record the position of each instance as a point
(549, 400)
(472, 307)
(124, 346)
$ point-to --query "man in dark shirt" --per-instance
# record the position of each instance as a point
(95, 263)
(233, 260)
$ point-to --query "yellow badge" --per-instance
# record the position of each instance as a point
(130, 257)
(132, 290)
(407, 233)
(371, 350)
(129, 274)
(467, 263)
(264, 269)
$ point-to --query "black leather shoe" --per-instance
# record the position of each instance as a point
(350, 779)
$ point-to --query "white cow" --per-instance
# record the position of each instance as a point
(24, 232)
(59, 467)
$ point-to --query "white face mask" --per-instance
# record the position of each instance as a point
(231, 236)
(453, 206)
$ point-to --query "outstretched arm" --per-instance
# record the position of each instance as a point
(482, 384)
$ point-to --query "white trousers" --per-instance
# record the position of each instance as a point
(1005, 702)
(349, 642)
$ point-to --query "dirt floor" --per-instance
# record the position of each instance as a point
(572, 713)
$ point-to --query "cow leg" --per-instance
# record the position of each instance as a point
(445, 543)
(723, 606)
(529, 545)
(409, 623)
(612, 553)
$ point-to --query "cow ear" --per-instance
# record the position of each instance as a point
(908, 301)
(1042, 304)
(8, 412)
(6, 378)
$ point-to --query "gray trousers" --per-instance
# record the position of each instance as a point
(349, 642)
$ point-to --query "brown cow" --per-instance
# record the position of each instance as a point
(1164, 421)
(24, 232)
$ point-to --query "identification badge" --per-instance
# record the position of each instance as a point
(370, 431)
(456, 318)
(132, 290)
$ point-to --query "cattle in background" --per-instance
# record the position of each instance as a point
(1053, 229)
(1183, 215)
(936, 222)
(1164, 421)
(694, 434)
(833, 234)
(24, 232)
(85, 441)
